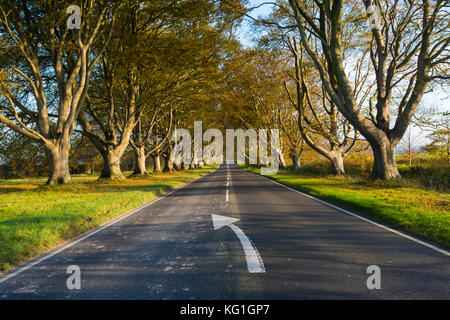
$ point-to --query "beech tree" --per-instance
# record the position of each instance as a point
(48, 69)
(123, 83)
(320, 123)
(149, 137)
(110, 117)
(409, 46)
(292, 136)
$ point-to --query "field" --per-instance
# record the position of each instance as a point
(35, 218)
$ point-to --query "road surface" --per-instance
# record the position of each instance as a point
(170, 250)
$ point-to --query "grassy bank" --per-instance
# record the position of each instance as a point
(35, 217)
(401, 204)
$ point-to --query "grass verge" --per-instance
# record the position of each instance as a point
(35, 218)
(402, 205)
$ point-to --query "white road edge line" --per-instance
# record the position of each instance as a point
(362, 218)
(73, 242)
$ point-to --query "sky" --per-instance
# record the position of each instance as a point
(437, 98)
(245, 34)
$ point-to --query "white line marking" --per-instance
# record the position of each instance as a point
(71, 243)
(362, 218)
(254, 261)
(227, 191)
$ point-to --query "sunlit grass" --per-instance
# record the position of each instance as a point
(399, 203)
(35, 217)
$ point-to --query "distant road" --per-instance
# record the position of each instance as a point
(170, 250)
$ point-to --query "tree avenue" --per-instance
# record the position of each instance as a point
(48, 70)
(102, 86)
(117, 65)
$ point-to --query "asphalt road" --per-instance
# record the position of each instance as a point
(170, 250)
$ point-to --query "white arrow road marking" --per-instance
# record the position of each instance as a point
(254, 261)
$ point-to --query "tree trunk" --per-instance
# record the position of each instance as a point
(156, 164)
(111, 165)
(59, 164)
(384, 163)
(168, 164)
(296, 162)
(139, 161)
(410, 155)
(337, 163)
(282, 161)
